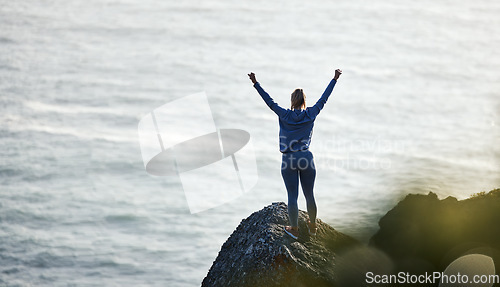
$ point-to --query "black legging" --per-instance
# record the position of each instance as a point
(295, 165)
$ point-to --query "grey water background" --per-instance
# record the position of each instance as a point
(416, 110)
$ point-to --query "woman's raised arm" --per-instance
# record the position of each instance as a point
(322, 101)
(265, 96)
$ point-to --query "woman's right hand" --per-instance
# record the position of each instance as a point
(252, 78)
(338, 72)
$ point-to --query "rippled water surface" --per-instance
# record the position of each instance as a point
(416, 110)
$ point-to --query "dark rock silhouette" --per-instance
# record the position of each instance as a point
(423, 233)
(260, 253)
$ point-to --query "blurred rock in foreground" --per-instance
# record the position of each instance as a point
(260, 253)
(423, 233)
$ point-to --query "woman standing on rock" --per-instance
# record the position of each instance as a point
(296, 125)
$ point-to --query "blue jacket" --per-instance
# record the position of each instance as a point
(296, 125)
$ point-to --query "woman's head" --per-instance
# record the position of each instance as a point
(298, 100)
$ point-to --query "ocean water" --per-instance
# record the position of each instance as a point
(416, 110)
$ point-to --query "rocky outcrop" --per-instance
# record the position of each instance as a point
(259, 253)
(423, 233)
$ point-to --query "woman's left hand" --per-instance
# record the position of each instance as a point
(338, 72)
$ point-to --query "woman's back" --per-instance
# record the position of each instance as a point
(296, 125)
(295, 130)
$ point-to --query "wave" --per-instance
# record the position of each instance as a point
(10, 171)
(70, 109)
(124, 218)
(5, 40)
(17, 216)
(8, 68)
(77, 132)
(47, 260)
